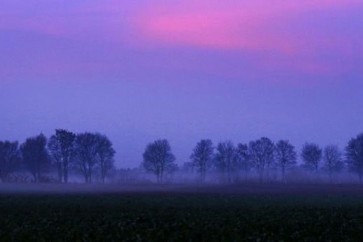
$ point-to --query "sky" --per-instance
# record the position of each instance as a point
(184, 70)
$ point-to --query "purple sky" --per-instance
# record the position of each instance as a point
(182, 70)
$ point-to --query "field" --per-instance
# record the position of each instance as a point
(247, 212)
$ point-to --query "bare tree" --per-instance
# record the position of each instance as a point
(225, 159)
(61, 147)
(354, 154)
(312, 154)
(86, 154)
(202, 156)
(158, 158)
(56, 156)
(262, 155)
(9, 158)
(285, 156)
(35, 155)
(333, 161)
(243, 159)
(105, 154)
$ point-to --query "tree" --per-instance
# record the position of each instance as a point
(354, 154)
(243, 158)
(86, 146)
(105, 154)
(332, 160)
(9, 158)
(61, 147)
(53, 147)
(225, 159)
(262, 155)
(158, 158)
(35, 155)
(312, 154)
(202, 156)
(285, 156)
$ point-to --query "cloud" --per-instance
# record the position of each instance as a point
(246, 25)
(264, 27)
(302, 36)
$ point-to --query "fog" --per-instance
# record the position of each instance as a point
(133, 181)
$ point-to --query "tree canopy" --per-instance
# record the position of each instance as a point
(158, 158)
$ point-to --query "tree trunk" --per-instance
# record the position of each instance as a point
(161, 174)
(89, 176)
(65, 171)
(35, 175)
(202, 174)
(246, 175)
(283, 174)
(260, 173)
(103, 175)
(60, 175)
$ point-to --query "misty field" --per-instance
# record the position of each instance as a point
(179, 213)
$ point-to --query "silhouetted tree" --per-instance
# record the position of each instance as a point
(54, 149)
(311, 154)
(354, 154)
(105, 154)
(225, 159)
(86, 154)
(202, 156)
(333, 161)
(243, 158)
(262, 155)
(61, 147)
(35, 155)
(285, 156)
(158, 158)
(9, 158)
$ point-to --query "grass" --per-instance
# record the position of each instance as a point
(182, 215)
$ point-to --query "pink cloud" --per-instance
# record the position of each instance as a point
(258, 26)
(245, 25)
(215, 29)
(271, 32)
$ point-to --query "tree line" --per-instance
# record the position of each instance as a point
(92, 156)
(86, 153)
(259, 156)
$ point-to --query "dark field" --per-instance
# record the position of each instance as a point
(179, 213)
